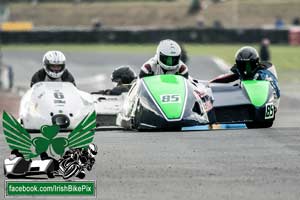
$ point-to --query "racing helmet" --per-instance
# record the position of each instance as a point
(54, 64)
(92, 149)
(247, 61)
(123, 75)
(168, 54)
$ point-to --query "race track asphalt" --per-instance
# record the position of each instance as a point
(219, 164)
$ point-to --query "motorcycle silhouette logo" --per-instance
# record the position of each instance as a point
(18, 138)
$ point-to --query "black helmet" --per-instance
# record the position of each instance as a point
(123, 75)
(247, 61)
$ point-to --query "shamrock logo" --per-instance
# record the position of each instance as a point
(58, 144)
(18, 138)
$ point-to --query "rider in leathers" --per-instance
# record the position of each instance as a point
(248, 67)
(166, 61)
(54, 69)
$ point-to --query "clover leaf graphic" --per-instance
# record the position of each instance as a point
(18, 138)
(42, 144)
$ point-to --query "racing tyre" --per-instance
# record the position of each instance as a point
(50, 175)
(81, 175)
(89, 167)
(4, 170)
(71, 171)
(252, 125)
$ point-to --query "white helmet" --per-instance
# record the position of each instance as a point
(168, 53)
(54, 63)
(92, 149)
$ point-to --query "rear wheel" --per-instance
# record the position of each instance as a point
(252, 125)
(70, 171)
(4, 170)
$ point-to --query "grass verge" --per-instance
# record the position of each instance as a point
(283, 56)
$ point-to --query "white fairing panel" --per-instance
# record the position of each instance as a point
(10, 164)
(41, 164)
(129, 104)
(109, 104)
(47, 99)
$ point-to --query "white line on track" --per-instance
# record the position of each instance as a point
(222, 65)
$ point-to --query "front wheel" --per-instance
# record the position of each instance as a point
(81, 174)
(252, 125)
(50, 175)
(71, 170)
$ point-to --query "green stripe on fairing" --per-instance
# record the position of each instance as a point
(258, 91)
(166, 85)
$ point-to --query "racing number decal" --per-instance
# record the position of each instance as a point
(170, 98)
(59, 96)
(270, 111)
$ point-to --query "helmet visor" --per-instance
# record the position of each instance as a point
(169, 60)
(55, 68)
(247, 68)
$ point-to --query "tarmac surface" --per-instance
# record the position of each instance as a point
(218, 164)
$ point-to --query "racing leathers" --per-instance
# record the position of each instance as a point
(41, 76)
(265, 71)
(152, 67)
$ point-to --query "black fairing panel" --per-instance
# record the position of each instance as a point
(21, 167)
(229, 95)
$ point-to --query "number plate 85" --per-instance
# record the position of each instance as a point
(270, 111)
(170, 98)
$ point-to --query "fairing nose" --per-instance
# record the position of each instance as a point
(61, 120)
